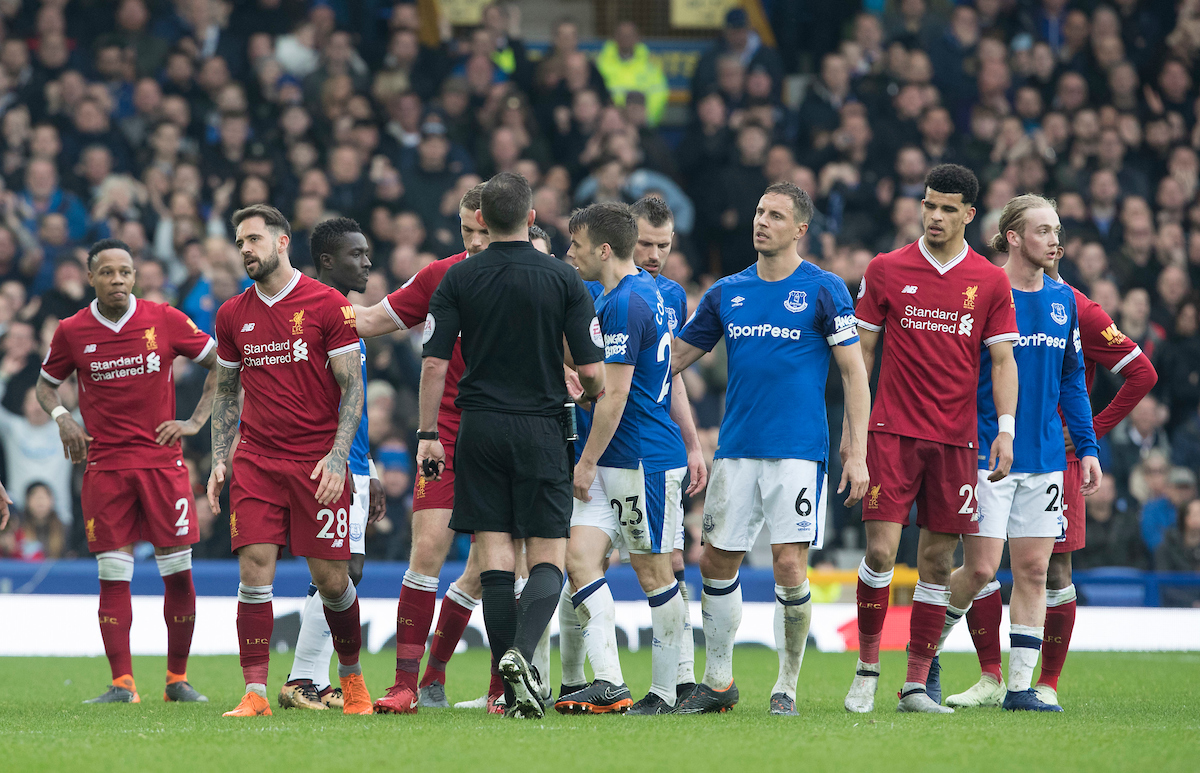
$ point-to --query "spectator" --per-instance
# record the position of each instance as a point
(626, 65)
(43, 195)
(1136, 437)
(1180, 552)
(739, 41)
(41, 534)
(1112, 531)
(1161, 507)
(33, 452)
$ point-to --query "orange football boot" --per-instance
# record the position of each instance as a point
(355, 698)
(252, 705)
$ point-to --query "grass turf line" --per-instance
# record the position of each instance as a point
(1124, 711)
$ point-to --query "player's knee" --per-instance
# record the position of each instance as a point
(879, 558)
(1030, 571)
(718, 564)
(789, 569)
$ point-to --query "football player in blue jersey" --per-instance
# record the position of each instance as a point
(630, 470)
(343, 259)
(1026, 508)
(781, 319)
(656, 235)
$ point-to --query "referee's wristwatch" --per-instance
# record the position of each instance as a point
(427, 435)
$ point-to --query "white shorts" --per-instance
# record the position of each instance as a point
(642, 512)
(1024, 504)
(359, 504)
(788, 495)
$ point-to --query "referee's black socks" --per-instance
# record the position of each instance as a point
(539, 599)
(499, 610)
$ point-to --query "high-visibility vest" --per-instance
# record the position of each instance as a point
(641, 72)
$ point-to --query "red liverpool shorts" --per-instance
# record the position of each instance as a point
(939, 478)
(273, 502)
(436, 494)
(121, 507)
(1076, 534)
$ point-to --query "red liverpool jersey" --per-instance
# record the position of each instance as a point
(283, 345)
(125, 385)
(937, 318)
(1104, 344)
(408, 307)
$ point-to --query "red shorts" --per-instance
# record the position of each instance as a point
(436, 494)
(121, 507)
(1076, 534)
(939, 478)
(273, 502)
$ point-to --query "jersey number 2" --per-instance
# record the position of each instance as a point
(664, 353)
(181, 526)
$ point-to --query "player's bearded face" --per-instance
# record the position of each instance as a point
(1040, 242)
(264, 267)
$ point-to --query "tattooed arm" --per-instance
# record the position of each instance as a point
(347, 369)
(225, 415)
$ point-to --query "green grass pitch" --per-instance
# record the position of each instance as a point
(1124, 712)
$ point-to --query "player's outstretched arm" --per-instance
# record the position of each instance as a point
(681, 414)
(73, 436)
(371, 321)
(683, 355)
(347, 369)
(429, 399)
(225, 415)
(618, 378)
(169, 432)
(1004, 395)
(857, 389)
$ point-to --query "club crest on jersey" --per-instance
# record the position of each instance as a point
(151, 339)
(672, 318)
(1058, 313)
(797, 300)
(969, 296)
(298, 323)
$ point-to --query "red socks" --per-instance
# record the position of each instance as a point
(1060, 622)
(925, 629)
(179, 611)
(255, 621)
(414, 616)
(873, 593)
(983, 618)
(452, 621)
(344, 626)
(116, 615)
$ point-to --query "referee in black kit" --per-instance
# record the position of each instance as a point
(512, 306)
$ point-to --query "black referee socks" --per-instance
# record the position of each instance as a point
(499, 610)
(539, 599)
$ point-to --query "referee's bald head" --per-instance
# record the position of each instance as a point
(505, 204)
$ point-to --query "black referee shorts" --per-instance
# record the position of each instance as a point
(511, 474)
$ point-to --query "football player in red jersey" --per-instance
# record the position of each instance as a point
(940, 303)
(433, 502)
(135, 486)
(1103, 344)
(291, 343)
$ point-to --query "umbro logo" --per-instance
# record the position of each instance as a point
(737, 302)
(89, 349)
(246, 328)
(909, 289)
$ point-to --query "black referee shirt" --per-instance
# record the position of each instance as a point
(512, 305)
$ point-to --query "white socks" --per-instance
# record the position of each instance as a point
(793, 615)
(721, 606)
(1056, 598)
(1025, 646)
(953, 615)
(570, 641)
(667, 613)
(314, 645)
(597, 619)
(687, 647)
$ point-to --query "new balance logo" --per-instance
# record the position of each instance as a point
(89, 349)
(909, 290)
(246, 328)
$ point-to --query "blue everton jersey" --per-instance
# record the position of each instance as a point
(633, 320)
(1050, 373)
(675, 298)
(360, 449)
(778, 337)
